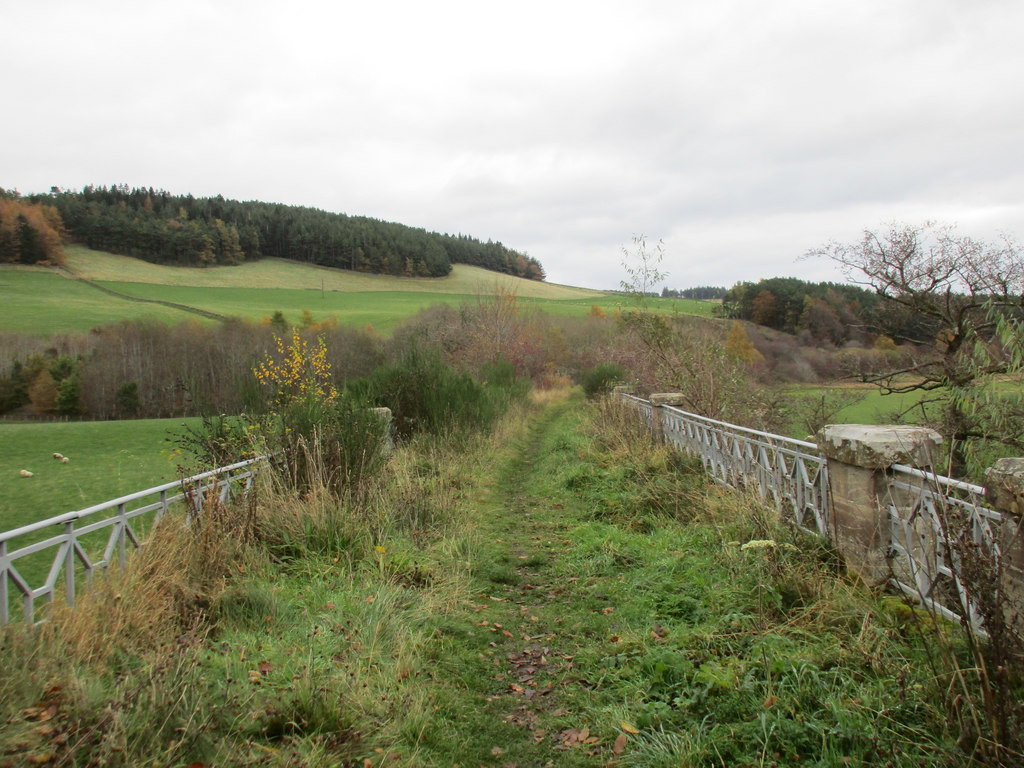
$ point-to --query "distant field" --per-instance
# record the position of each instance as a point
(41, 302)
(871, 407)
(279, 273)
(107, 459)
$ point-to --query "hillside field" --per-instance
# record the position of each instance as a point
(40, 301)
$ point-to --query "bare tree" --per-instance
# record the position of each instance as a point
(964, 290)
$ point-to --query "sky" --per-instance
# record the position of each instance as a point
(740, 133)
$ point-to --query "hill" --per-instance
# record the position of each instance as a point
(284, 274)
(101, 288)
(184, 230)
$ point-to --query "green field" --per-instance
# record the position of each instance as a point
(107, 459)
(40, 301)
(869, 407)
(280, 273)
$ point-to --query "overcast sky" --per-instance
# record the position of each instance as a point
(740, 132)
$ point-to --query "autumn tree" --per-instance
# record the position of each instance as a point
(962, 291)
(30, 233)
(738, 345)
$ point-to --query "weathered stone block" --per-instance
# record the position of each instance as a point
(1004, 486)
(858, 457)
(668, 398)
(875, 447)
(386, 417)
(1004, 492)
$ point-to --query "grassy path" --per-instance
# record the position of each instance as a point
(559, 594)
(539, 704)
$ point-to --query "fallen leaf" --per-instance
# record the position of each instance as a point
(629, 727)
(381, 549)
(770, 702)
(620, 744)
(265, 667)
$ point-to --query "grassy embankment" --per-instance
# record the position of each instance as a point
(40, 302)
(561, 593)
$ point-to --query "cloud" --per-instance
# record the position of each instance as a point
(741, 133)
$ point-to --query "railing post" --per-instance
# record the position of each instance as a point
(122, 530)
(69, 564)
(5, 565)
(658, 403)
(1004, 492)
(858, 459)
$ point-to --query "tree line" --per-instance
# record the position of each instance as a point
(700, 292)
(825, 312)
(158, 226)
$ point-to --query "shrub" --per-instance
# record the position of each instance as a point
(327, 444)
(425, 395)
(600, 379)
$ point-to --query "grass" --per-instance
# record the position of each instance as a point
(107, 459)
(574, 597)
(38, 301)
(281, 273)
(865, 404)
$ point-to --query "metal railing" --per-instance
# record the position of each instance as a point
(940, 531)
(73, 558)
(791, 472)
(942, 536)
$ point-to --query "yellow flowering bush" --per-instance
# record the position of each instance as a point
(298, 371)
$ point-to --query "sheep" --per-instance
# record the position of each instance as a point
(25, 473)
(64, 459)
(58, 456)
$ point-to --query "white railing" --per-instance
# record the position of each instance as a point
(68, 556)
(942, 538)
(941, 535)
(791, 472)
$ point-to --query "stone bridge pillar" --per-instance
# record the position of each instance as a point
(385, 416)
(859, 457)
(1004, 492)
(657, 412)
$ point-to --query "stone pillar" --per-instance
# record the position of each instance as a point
(1004, 492)
(386, 417)
(657, 412)
(858, 458)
